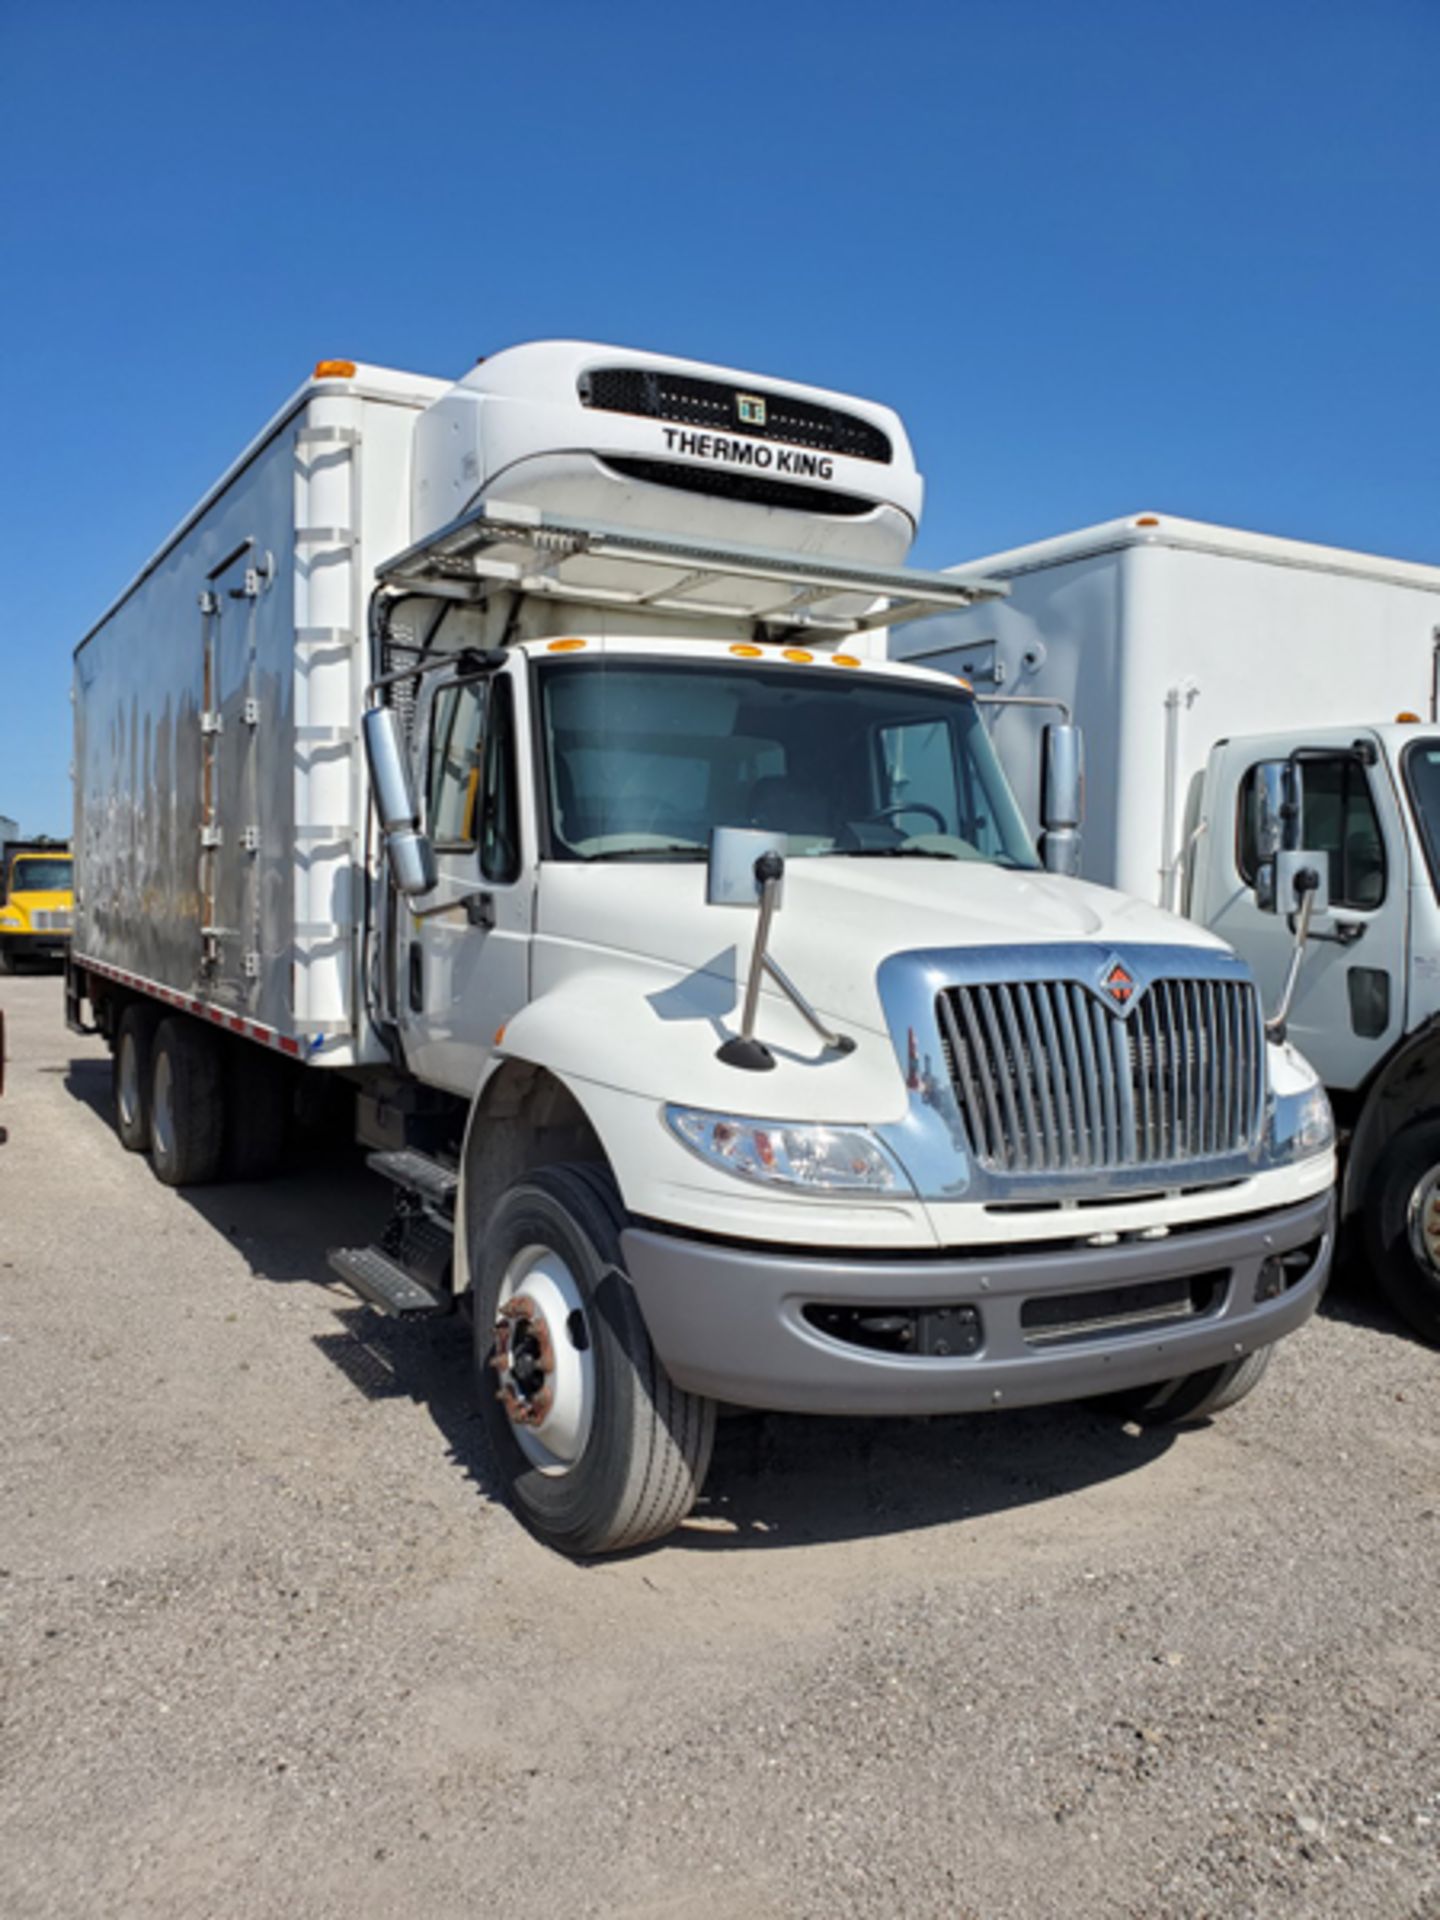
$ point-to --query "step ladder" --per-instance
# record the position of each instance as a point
(407, 1275)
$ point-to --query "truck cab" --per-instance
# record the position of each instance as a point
(36, 902)
(1366, 1005)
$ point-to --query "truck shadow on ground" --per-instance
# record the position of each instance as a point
(776, 1480)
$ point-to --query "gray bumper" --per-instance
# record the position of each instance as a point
(730, 1321)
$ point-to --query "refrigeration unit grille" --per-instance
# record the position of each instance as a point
(716, 406)
(1050, 1079)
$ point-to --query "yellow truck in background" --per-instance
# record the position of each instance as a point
(37, 905)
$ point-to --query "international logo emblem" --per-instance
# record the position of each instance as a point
(751, 409)
(1118, 983)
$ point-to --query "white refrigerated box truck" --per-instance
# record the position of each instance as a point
(1195, 657)
(522, 751)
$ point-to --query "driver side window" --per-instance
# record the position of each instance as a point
(473, 802)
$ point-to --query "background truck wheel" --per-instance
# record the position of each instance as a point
(1402, 1225)
(1194, 1396)
(257, 1107)
(7, 959)
(187, 1108)
(130, 1074)
(598, 1450)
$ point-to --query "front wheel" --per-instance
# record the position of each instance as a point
(597, 1448)
(1194, 1396)
(1402, 1226)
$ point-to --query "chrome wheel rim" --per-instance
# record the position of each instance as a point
(128, 1095)
(162, 1114)
(1424, 1222)
(542, 1359)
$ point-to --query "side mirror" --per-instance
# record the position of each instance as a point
(1279, 800)
(1062, 797)
(412, 861)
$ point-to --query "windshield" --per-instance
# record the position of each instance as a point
(644, 758)
(1421, 762)
(43, 875)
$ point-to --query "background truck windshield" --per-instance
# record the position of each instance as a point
(40, 875)
(643, 758)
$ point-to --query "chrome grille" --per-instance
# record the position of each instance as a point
(1049, 1078)
(50, 921)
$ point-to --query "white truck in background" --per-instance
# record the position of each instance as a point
(1220, 676)
(522, 752)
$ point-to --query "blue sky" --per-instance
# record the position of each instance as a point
(1102, 256)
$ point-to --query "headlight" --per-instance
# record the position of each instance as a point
(779, 1154)
(8, 919)
(1300, 1124)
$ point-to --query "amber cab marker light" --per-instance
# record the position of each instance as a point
(1148, 520)
(845, 660)
(798, 654)
(1407, 719)
(334, 369)
(565, 646)
(748, 653)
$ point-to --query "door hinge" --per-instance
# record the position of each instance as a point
(211, 836)
(212, 723)
(209, 602)
(252, 713)
(251, 966)
(250, 839)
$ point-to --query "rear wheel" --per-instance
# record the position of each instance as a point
(1402, 1226)
(130, 1074)
(597, 1448)
(187, 1109)
(1194, 1396)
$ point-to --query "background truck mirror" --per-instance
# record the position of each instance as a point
(1288, 869)
(1279, 804)
(1062, 796)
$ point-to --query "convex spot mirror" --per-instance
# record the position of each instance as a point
(411, 858)
(730, 876)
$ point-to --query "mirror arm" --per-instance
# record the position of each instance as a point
(1306, 883)
(837, 1042)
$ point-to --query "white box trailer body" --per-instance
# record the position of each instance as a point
(220, 800)
(1163, 635)
(986, 1135)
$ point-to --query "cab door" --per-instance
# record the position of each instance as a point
(463, 952)
(1349, 1006)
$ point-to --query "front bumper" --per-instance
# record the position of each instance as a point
(35, 946)
(730, 1321)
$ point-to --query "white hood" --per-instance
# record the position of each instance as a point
(841, 918)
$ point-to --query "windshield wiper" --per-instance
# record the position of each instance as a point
(896, 853)
(681, 848)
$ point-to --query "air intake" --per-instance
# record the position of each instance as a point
(719, 484)
(715, 406)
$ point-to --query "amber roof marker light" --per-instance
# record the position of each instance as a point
(334, 370)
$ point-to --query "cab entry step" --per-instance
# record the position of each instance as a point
(417, 1173)
(383, 1282)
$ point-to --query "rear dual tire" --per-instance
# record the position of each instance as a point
(187, 1104)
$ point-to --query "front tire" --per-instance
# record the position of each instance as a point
(1402, 1226)
(187, 1107)
(597, 1448)
(1194, 1396)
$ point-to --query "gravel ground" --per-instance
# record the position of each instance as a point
(270, 1646)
